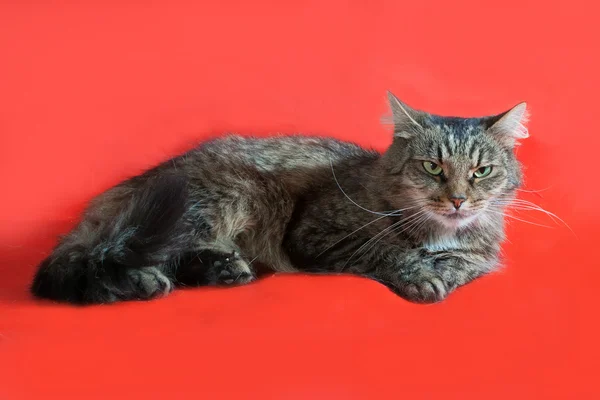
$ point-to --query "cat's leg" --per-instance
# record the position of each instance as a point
(214, 265)
(147, 283)
(422, 276)
(71, 275)
(122, 249)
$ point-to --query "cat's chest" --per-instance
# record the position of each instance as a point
(442, 243)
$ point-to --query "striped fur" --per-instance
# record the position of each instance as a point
(295, 203)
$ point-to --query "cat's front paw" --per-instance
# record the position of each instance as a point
(424, 286)
(211, 267)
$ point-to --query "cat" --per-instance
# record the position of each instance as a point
(423, 218)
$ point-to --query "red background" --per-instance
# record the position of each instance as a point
(90, 94)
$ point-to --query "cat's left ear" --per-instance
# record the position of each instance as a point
(510, 126)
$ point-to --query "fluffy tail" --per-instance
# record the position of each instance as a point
(91, 263)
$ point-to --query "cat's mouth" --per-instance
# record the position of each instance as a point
(456, 218)
(456, 215)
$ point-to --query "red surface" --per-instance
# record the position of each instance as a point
(92, 93)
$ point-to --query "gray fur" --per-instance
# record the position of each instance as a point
(296, 203)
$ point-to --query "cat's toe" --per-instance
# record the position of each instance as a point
(429, 289)
(149, 283)
(434, 289)
(225, 276)
(215, 268)
(233, 270)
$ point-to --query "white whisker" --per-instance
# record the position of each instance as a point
(383, 233)
(364, 226)
(371, 242)
(419, 225)
(518, 219)
(387, 232)
(385, 213)
(520, 204)
(534, 191)
(352, 233)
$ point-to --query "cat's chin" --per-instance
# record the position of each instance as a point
(455, 220)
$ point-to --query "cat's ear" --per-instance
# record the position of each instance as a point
(407, 121)
(510, 126)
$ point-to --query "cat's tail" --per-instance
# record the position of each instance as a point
(94, 263)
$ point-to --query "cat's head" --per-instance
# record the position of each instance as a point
(455, 170)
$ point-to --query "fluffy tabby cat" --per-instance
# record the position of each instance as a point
(423, 218)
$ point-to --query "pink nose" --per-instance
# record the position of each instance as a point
(457, 201)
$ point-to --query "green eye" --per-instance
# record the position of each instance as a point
(483, 172)
(432, 168)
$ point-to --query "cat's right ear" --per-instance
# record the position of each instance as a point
(407, 121)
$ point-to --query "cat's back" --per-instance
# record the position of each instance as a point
(282, 153)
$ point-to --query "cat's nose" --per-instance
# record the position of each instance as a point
(457, 200)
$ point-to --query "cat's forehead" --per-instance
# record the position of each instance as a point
(448, 138)
(457, 128)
